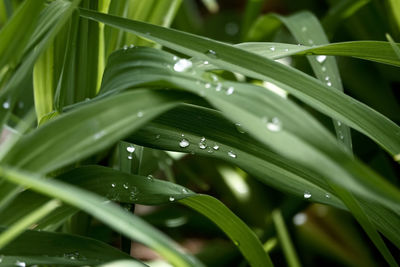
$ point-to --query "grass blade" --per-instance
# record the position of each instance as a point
(302, 86)
(60, 249)
(31, 218)
(284, 239)
(110, 214)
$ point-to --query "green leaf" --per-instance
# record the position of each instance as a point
(71, 139)
(378, 51)
(306, 29)
(44, 83)
(306, 88)
(284, 239)
(111, 214)
(60, 249)
(239, 232)
(16, 33)
(59, 11)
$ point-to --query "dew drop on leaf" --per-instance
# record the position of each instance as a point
(150, 178)
(232, 154)
(182, 65)
(126, 185)
(184, 143)
(239, 127)
(218, 87)
(20, 263)
(171, 198)
(211, 53)
(307, 195)
(230, 90)
(216, 147)
(321, 58)
(274, 125)
(202, 145)
(130, 149)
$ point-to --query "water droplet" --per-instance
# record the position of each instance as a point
(185, 191)
(211, 53)
(304, 28)
(239, 128)
(231, 154)
(327, 78)
(210, 150)
(310, 42)
(203, 139)
(202, 145)
(131, 46)
(272, 48)
(174, 58)
(157, 136)
(300, 218)
(286, 50)
(125, 47)
(214, 77)
(307, 195)
(126, 185)
(323, 69)
(339, 123)
(230, 90)
(274, 125)
(205, 62)
(20, 263)
(182, 65)
(216, 147)
(171, 198)
(321, 58)
(183, 135)
(113, 185)
(218, 87)
(329, 83)
(140, 114)
(184, 143)
(207, 85)
(133, 196)
(327, 195)
(130, 157)
(130, 149)
(6, 105)
(340, 135)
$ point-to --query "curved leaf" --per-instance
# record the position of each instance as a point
(58, 248)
